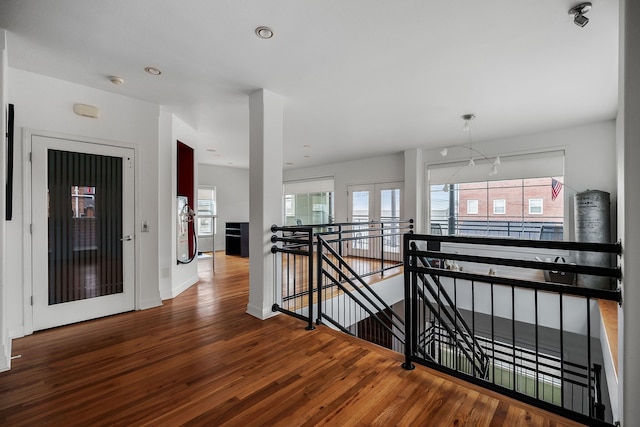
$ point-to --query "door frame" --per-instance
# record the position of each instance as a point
(374, 190)
(27, 215)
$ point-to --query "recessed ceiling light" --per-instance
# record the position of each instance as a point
(264, 32)
(307, 157)
(116, 80)
(230, 163)
(217, 155)
(212, 150)
(153, 71)
(289, 163)
(307, 146)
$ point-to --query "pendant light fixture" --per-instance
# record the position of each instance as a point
(468, 118)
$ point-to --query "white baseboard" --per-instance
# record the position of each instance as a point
(150, 303)
(5, 359)
(261, 313)
(184, 286)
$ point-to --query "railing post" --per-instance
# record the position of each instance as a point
(310, 279)
(598, 405)
(382, 248)
(408, 312)
(340, 239)
(319, 280)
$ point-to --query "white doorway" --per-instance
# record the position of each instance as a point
(83, 247)
(375, 203)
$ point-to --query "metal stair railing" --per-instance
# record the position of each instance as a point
(337, 271)
(452, 320)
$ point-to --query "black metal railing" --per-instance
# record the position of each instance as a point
(349, 303)
(519, 229)
(352, 252)
(537, 337)
(451, 321)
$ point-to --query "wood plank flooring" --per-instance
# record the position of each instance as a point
(200, 360)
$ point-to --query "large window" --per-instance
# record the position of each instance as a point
(308, 202)
(512, 206)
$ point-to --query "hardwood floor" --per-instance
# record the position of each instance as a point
(200, 360)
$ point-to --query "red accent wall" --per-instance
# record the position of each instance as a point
(186, 182)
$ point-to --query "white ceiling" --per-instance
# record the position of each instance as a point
(359, 78)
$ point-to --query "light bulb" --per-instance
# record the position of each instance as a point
(494, 170)
(444, 152)
(471, 162)
(465, 127)
(496, 161)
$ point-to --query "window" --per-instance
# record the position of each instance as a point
(472, 207)
(518, 202)
(308, 202)
(289, 206)
(535, 206)
(206, 218)
(499, 206)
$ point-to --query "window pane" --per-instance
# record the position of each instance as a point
(308, 209)
(472, 207)
(518, 208)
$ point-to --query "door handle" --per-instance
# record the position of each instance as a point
(126, 238)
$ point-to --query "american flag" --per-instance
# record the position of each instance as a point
(556, 186)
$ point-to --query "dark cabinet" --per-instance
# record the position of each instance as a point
(237, 239)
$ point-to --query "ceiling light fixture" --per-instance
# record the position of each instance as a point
(578, 12)
(116, 80)
(445, 151)
(264, 32)
(153, 71)
(467, 122)
(212, 150)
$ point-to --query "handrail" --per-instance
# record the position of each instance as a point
(614, 248)
(468, 335)
(323, 245)
(363, 306)
(494, 297)
(374, 245)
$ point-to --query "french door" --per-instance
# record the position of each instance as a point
(82, 235)
(371, 203)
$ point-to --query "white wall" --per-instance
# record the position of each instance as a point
(44, 103)
(5, 342)
(365, 171)
(232, 195)
(174, 277)
(590, 159)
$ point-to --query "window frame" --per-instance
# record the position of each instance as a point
(504, 206)
(474, 211)
(541, 206)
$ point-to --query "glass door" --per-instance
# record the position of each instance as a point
(380, 204)
(83, 236)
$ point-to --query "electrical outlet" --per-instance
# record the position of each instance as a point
(145, 226)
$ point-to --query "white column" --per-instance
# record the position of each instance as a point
(265, 196)
(629, 143)
(414, 188)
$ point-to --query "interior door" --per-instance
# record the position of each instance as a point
(375, 203)
(83, 228)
